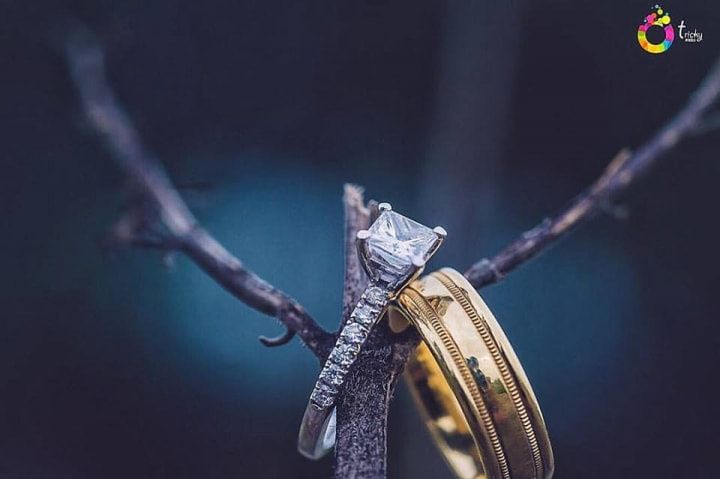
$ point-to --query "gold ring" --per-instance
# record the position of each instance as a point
(470, 386)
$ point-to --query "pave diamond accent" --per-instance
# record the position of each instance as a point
(332, 374)
(322, 396)
(353, 333)
(327, 389)
(364, 314)
(344, 353)
(393, 242)
(375, 295)
(337, 366)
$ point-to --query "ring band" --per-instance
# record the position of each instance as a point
(317, 430)
(470, 386)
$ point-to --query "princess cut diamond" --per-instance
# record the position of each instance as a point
(393, 242)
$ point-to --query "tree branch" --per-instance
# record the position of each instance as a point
(162, 206)
(619, 175)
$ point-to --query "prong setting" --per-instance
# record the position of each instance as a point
(396, 248)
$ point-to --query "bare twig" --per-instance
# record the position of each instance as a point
(622, 172)
(163, 206)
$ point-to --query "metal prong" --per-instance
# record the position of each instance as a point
(384, 207)
(363, 235)
(440, 231)
(418, 261)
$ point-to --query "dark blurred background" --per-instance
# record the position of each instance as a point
(481, 116)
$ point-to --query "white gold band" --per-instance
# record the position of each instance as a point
(369, 309)
(317, 431)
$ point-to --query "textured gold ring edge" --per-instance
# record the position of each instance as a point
(421, 303)
(507, 376)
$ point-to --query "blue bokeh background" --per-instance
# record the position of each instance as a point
(481, 117)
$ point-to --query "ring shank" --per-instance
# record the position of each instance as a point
(317, 431)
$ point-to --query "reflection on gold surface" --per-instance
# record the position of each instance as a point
(443, 415)
(470, 386)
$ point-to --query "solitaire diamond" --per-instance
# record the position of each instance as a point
(394, 243)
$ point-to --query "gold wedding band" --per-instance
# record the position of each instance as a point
(470, 386)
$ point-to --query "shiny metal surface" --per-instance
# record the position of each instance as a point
(470, 386)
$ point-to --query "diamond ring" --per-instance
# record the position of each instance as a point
(393, 252)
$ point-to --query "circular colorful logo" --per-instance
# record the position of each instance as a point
(657, 18)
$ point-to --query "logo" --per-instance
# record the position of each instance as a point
(689, 37)
(658, 24)
(657, 18)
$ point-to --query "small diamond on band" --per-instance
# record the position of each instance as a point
(323, 395)
(376, 296)
(348, 346)
(333, 374)
(364, 314)
(344, 353)
(353, 333)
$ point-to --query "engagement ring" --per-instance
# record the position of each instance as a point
(393, 252)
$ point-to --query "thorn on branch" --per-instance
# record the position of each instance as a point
(284, 338)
